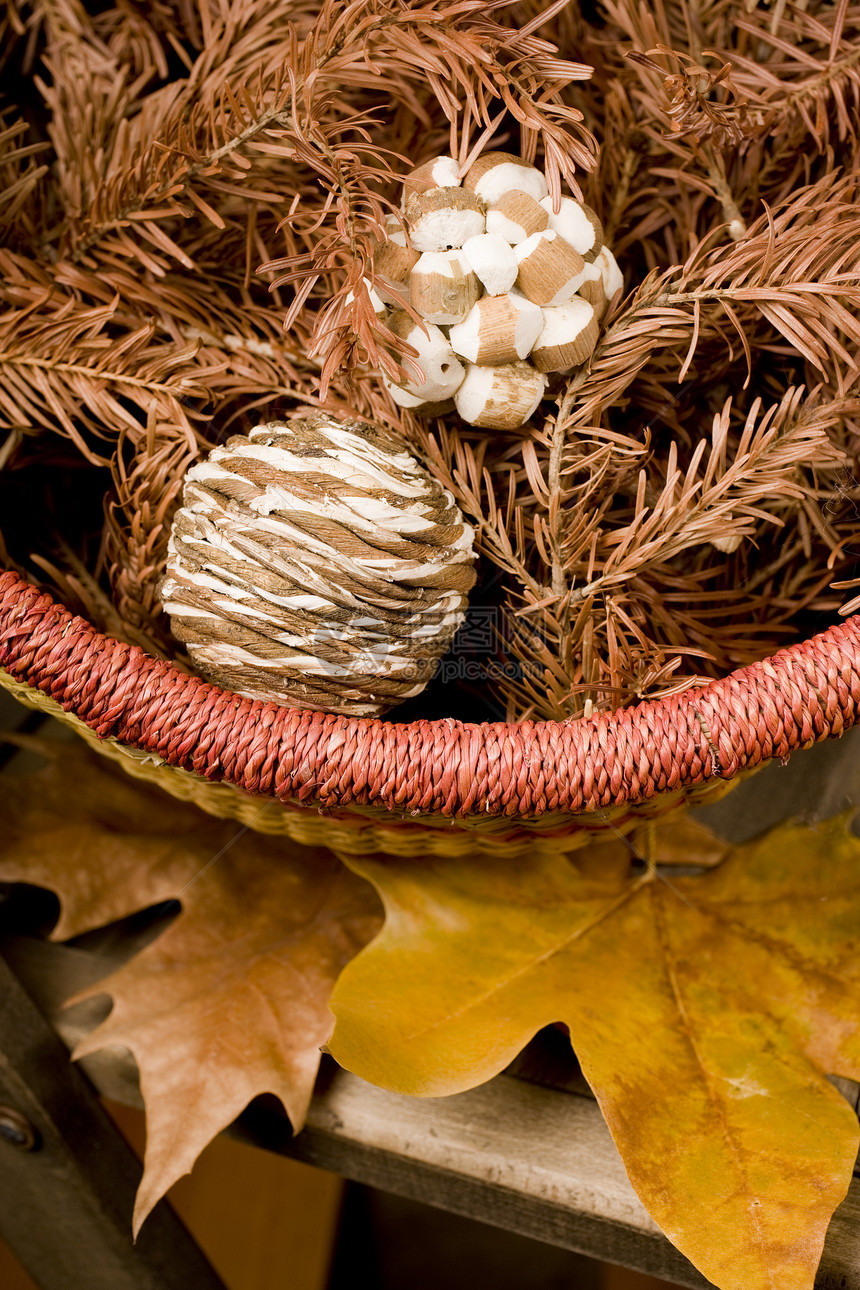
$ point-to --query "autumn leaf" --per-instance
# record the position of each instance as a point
(232, 999)
(706, 1012)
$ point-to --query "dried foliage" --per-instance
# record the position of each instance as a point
(196, 192)
(706, 1012)
(231, 999)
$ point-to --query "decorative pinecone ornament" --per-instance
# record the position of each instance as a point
(316, 563)
(510, 288)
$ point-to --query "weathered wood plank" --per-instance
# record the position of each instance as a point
(524, 1158)
(527, 1159)
(68, 1178)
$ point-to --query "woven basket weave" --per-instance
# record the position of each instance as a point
(429, 787)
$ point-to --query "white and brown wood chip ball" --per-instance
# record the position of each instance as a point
(315, 563)
(502, 276)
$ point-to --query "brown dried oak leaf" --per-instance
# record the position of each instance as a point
(231, 1000)
(706, 1012)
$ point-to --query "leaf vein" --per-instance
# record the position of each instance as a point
(505, 982)
(687, 1027)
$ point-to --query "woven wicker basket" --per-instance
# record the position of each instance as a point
(429, 787)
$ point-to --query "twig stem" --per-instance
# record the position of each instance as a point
(717, 174)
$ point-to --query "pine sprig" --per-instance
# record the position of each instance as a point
(23, 170)
(182, 180)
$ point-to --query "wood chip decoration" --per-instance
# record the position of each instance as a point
(510, 287)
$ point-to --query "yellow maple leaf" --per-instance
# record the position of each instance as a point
(706, 1013)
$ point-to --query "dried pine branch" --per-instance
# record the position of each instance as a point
(805, 71)
(189, 144)
(605, 572)
(148, 486)
(22, 174)
(63, 372)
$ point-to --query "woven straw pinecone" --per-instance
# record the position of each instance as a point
(316, 563)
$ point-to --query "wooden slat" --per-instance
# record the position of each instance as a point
(520, 1157)
(530, 1160)
(533, 1160)
(65, 1205)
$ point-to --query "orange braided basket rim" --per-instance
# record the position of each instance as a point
(801, 695)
